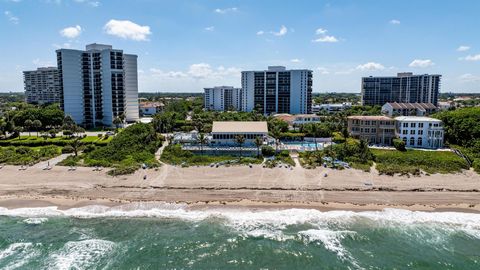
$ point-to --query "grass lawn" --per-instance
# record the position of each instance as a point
(173, 154)
(413, 161)
(22, 155)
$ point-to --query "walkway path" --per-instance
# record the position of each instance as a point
(52, 162)
(159, 152)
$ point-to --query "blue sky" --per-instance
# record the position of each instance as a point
(187, 45)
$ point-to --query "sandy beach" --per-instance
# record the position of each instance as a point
(240, 186)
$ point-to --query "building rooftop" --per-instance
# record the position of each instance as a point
(420, 106)
(416, 118)
(240, 127)
(150, 104)
(370, 117)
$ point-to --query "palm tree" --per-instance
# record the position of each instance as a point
(28, 125)
(258, 143)
(240, 140)
(202, 140)
(276, 133)
(117, 121)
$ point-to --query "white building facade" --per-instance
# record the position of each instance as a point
(331, 108)
(223, 98)
(277, 90)
(225, 133)
(42, 85)
(98, 84)
(420, 132)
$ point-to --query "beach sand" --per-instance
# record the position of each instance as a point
(240, 186)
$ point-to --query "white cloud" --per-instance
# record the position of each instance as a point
(283, 31)
(210, 28)
(475, 57)
(198, 71)
(323, 37)
(71, 32)
(65, 45)
(127, 30)
(295, 60)
(321, 31)
(328, 39)
(40, 63)
(225, 10)
(12, 18)
(463, 48)
(261, 32)
(89, 2)
(421, 63)
(468, 77)
(370, 66)
(323, 70)
(394, 21)
(169, 74)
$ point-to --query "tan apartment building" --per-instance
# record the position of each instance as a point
(374, 129)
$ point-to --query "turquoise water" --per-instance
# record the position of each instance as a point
(163, 236)
(304, 144)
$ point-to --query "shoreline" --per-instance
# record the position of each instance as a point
(74, 203)
(240, 187)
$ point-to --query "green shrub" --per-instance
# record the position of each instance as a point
(399, 144)
(338, 137)
(89, 148)
(70, 161)
(23, 155)
(67, 149)
(268, 151)
(412, 161)
(476, 165)
(174, 154)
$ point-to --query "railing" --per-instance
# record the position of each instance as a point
(460, 154)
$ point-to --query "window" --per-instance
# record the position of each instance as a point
(413, 125)
(420, 132)
(419, 141)
(420, 125)
(404, 132)
(405, 125)
(412, 132)
(412, 141)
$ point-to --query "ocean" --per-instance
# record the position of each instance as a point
(173, 236)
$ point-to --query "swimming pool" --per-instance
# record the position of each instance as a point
(304, 144)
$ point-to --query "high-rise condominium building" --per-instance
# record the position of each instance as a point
(223, 98)
(404, 88)
(98, 84)
(277, 90)
(42, 85)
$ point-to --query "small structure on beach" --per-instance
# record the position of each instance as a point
(225, 133)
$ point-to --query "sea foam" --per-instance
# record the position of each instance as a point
(255, 221)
